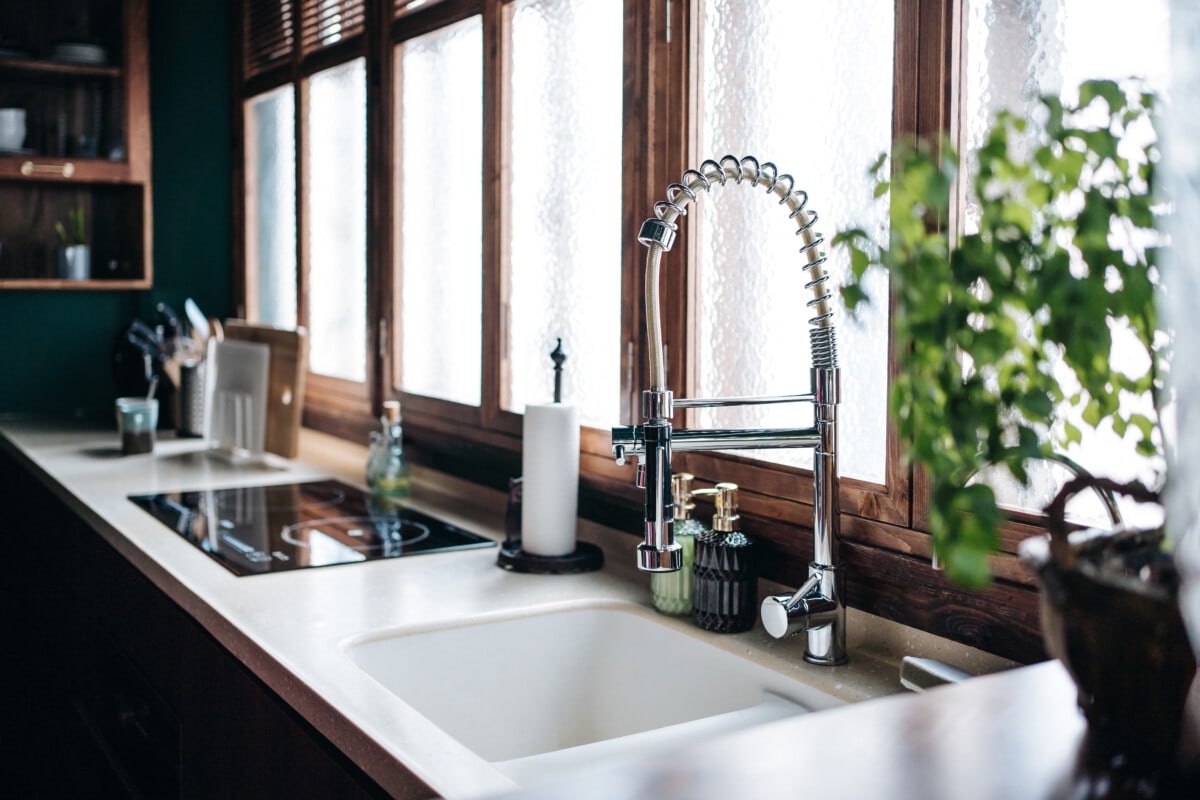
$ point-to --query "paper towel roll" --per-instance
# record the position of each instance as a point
(550, 468)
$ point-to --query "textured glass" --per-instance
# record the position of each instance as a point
(1181, 168)
(565, 244)
(1018, 50)
(271, 206)
(336, 211)
(820, 107)
(440, 231)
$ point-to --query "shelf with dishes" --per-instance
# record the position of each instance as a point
(75, 139)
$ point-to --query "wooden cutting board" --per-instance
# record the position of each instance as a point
(285, 380)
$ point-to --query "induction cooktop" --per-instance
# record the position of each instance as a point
(252, 530)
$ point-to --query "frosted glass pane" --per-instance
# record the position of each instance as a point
(336, 209)
(440, 191)
(271, 205)
(824, 122)
(565, 246)
(1018, 50)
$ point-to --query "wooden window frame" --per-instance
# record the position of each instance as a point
(885, 543)
(336, 405)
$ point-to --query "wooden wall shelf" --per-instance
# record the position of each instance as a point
(62, 284)
(86, 146)
(59, 68)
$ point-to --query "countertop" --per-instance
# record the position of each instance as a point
(1019, 727)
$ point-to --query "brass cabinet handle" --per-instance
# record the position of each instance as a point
(66, 169)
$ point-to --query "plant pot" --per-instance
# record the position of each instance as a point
(75, 262)
(1110, 613)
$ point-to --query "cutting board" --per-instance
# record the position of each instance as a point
(285, 380)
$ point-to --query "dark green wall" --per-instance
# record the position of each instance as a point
(56, 347)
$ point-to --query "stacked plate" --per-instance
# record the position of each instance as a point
(79, 53)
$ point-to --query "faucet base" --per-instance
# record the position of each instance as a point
(656, 559)
(823, 648)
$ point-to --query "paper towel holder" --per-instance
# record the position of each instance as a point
(586, 557)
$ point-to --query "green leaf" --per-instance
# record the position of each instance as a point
(1109, 90)
(853, 296)
(1073, 434)
(850, 236)
(859, 262)
(877, 164)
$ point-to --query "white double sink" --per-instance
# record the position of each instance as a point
(536, 695)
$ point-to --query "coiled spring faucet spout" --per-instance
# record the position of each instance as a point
(817, 607)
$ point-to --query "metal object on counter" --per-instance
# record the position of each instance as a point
(190, 422)
(919, 674)
(818, 607)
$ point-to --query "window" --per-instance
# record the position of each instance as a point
(271, 207)
(563, 194)
(507, 208)
(335, 202)
(305, 130)
(472, 175)
(439, 230)
(824, 132)
(1017, 50)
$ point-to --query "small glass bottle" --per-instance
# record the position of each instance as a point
(725, 592)
(387, 469)
(671, 592)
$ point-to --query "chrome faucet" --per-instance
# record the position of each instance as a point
(817, 606)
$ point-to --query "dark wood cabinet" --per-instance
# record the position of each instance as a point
(75, 143)
(110, 689)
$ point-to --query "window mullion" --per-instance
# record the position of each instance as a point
(302, 260)
(494, 213)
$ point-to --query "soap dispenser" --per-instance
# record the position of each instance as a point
(725, 589)
(672, 591)
(387, 469)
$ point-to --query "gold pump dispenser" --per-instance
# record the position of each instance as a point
(671, 592)
(725, 586)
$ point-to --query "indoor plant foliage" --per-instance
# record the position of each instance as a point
(74, 232)
(990, 326)
(74, 257)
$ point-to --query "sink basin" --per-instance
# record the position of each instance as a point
(540, 694)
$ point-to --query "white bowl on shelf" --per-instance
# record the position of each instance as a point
(12, 129)
(79, 53)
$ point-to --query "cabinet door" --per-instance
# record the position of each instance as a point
(74, 145)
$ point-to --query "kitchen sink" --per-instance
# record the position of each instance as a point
(541, 694)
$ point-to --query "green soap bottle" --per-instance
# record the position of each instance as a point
(671, 592)
(387, 469)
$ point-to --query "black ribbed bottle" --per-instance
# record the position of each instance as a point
(725, 578)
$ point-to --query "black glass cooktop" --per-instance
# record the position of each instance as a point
(252, 530)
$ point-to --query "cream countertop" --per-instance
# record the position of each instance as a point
(290, 628)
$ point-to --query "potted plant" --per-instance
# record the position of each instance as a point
(75, 254)
(991, 326)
